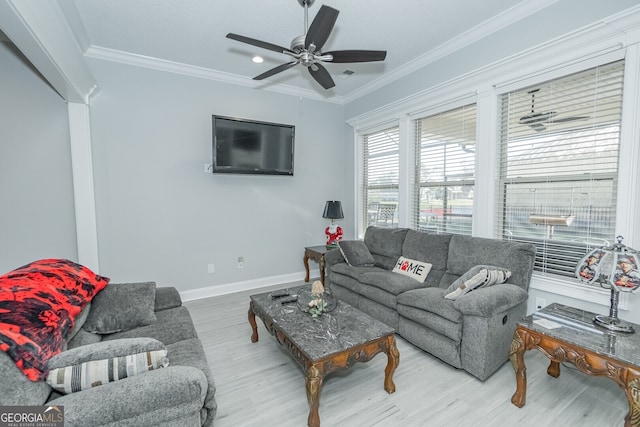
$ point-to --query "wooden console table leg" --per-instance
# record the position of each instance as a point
(314, 385)
(393, 360)
(632, 390)
(254, 325)
(516, 355)
(554, 369)
(306, 265)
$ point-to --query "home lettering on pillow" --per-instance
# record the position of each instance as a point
(412, 268)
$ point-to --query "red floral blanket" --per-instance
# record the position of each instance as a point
(38, 306)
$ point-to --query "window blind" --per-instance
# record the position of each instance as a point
(445, 173)
(559, 165)
(381, 167)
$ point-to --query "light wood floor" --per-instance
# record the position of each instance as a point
(259, 385)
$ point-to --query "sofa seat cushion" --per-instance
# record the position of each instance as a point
(363, 291)
(431, 300)
(353, 272)
(172, 325)
(391, 282)
(429, 308)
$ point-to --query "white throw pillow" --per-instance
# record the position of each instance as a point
(482, 278)
(417, 270)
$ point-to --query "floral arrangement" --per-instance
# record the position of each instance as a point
(317, 305)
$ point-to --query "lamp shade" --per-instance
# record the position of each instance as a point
(617, 267)
(616, 264)
(333, 210)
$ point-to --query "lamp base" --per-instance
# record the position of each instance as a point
(613, 324)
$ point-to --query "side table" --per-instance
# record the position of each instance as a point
(567, 334)
(315, 253)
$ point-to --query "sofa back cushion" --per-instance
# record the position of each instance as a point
(427, 247)
(385, 245)
(465, 252)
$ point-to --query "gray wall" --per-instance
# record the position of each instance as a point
(37, 217)
(160, 217)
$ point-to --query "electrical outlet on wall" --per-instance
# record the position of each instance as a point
(540, 303)
(240, 262)
(211, 268)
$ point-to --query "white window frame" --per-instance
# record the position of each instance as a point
(487, 83)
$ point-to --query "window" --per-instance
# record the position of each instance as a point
(445, 173)
(381, 166)
(559, 165)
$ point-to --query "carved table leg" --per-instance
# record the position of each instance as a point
(306, 265)
(393, 359)
(516, 355)
(632, 390)
(254, 326)
(314, 385)
(554, 369)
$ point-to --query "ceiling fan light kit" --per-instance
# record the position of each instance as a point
(306, 49)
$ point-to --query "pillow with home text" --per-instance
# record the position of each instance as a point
(417, 270)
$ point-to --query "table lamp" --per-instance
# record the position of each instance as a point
(614, 267)
(333, 211)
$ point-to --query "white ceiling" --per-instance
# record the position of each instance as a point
(192, 33)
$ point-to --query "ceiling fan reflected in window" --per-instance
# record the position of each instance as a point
(537, 120)
(306, 49)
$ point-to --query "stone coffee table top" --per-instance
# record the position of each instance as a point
(318, 337)
(324, 344)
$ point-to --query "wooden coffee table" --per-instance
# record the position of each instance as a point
(325, 344)
(572, 337)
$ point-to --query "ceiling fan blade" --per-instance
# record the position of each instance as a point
(259, 43)
(320, 28)
(275, 70)
(537, 117)
(321, 75)
(342, 56)
(570, 119)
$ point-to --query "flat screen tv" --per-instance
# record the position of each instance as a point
(247, 146)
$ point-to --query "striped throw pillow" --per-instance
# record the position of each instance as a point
(93, 373)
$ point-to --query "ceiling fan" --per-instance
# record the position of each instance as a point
(537, 121)
(306, 49)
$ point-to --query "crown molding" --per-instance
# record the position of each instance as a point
(121, 57)
(508, 17)
(604, 38)
(496, 23)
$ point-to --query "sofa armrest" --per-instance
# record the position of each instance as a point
(167, 297)
(488, 301)
(334, 256)
(151, 398)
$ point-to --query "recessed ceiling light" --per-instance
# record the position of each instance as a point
(257, 59)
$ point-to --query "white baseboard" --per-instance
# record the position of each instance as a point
(229, 288)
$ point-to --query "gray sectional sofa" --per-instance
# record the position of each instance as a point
(472, 332)
(180, 394)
